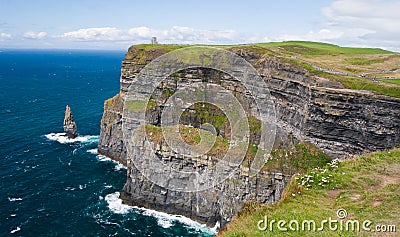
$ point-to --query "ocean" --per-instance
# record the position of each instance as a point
(54, 187)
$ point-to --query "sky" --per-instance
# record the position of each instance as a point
(117, 24)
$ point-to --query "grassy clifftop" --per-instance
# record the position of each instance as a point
(318, 48)
(368, 69)
(368, 188)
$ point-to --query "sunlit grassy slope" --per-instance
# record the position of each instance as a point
(368, 188)
(368, 68)
(318, 48)
(375, 66)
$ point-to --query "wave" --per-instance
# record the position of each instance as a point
(15, 230)
(105, 158)
(115, 204)
(92, 151)
(63, 139)
(164, 220)
(14, 199)
(118, 166)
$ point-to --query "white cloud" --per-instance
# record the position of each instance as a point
(5, 36)
(34, 35)
(329, 34)
(377, 15)
(372, 19)
(140, 32)
(367, 23)
(95, 34)
(176, 34)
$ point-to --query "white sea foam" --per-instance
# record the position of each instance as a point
(69, 189)
(164, 220)
(215, 229)
(92, 151)
(63, 139)
(103, 158)
(115, 204)
(14, 199)
(118, 166)
(15, 230)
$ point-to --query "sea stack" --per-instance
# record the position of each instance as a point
(69, 124)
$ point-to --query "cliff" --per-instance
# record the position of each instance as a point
(310, 108)
(111, 141)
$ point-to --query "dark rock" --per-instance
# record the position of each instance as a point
(69, 124)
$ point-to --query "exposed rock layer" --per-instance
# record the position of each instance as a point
(111, 141)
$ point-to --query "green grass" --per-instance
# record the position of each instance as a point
(363, 61)
(114, 103)
(208, 113)
(393, 81)
(357, 83)
(166, 47)
(191, 136)
(254, 125)
(318, 48)
(352, 70)
(299, 158)
(144, 52)
(139, 105)
(354, 83)
(313, 47)
(368, 188)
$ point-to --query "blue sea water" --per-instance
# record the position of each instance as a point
(50, 187)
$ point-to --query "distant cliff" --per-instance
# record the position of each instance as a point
(312, 109)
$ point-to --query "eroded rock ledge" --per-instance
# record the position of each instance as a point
(341, 122)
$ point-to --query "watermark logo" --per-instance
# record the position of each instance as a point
(341, 213)
(140, 150)
(342, 224)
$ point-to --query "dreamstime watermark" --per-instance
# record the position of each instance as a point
(342, 224)
(140, 150)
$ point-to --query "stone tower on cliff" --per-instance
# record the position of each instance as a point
(154, 40)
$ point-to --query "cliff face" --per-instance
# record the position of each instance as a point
(341, 122)
(111, 140)
(216, 205)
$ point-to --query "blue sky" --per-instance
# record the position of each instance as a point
(118, 24)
